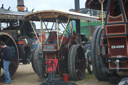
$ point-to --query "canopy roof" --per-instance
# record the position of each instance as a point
(51, 15)
(6, 15)
(95, 4)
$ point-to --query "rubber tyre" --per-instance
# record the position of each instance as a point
(93, 47)
(75, 74)
(39, 63)
(33, 61)
(102, 69)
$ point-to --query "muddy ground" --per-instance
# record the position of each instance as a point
(26, 76)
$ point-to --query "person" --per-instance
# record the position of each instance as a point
(35, 44)
(6, 57)
(0, 62)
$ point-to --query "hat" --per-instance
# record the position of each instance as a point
(2, 43)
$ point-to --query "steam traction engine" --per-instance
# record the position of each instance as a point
(17, 33)
(64, 46)
(109, 45)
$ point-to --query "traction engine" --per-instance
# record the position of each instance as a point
(64, 46)
(110, 44)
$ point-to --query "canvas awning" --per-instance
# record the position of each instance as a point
(50, 15)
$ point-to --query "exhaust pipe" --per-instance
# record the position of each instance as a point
(77, 6)
(20, 5)
(77, 9)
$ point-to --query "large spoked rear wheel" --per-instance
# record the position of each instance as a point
(99, 68)
(76, 63)
(15, 59)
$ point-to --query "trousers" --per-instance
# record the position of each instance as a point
(6, 71)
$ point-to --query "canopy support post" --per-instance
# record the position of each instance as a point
(35, 33)
(71, 28)
(57, 26)
(41, 30)
(64, 33)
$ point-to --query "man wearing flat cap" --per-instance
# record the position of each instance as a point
(6, 57)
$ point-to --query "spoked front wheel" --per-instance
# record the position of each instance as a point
(76, 63)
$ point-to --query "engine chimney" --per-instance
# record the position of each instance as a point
(77, 9)
(20, 5)
(77, 6)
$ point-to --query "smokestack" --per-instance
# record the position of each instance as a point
(77, 9)
(20, 5)
(77, 6)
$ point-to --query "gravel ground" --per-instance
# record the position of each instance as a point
(26, 76)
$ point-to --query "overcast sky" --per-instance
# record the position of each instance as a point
(64, 5)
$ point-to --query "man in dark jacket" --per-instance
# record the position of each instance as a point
(6, 57)
(0, 62)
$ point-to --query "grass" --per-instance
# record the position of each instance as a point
(88, 77)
